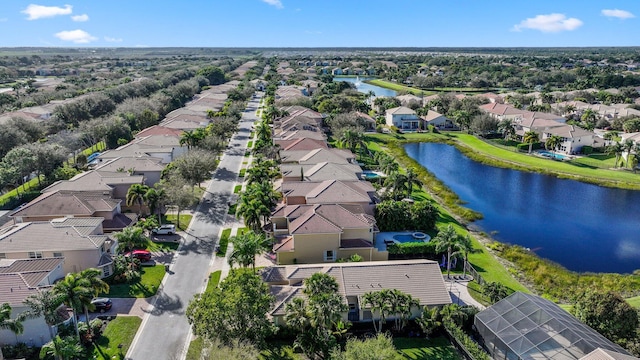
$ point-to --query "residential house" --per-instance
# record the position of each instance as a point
(492, 97)
(403, 118)
(165, 147)
(64, 203)
(407, 99)
(19, 279)
(368, 122)
(438, 120)
(146, 166)
(295, 133)
(316, 156)
(159, 130)
(422, 279)
(297, 144)
(114, 184)
(323, 233)
(573, 138)
(79, 240)
(320, 172)
(296, 111)
(360, 193)
(336, 71)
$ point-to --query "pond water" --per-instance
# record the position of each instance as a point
(580, 226)
(365, 88)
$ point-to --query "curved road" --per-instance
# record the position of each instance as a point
(165, 330)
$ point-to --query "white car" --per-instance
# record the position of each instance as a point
(168, 229)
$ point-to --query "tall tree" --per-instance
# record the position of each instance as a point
(246, 247)
(67, 348)
(130, 238)
(447, 240)
(45, 304)
(155, 197)
(236, 310)
(465, 247)
(531, 137)
(6, 323)
(608, 313)
(506, 128)
(76, 293)
(553, 142)
(411, 179)
(196, 166)
(135, 195)
(95, 284)
(615, 149)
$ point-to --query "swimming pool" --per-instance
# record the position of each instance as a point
(403, 238)
(370, 174)
(549, 154)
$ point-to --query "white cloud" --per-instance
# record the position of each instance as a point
(76, 36)
(110, 39)
(80, 18)
(549, 23)
(620, 14)
(276, 3)
(39, 11)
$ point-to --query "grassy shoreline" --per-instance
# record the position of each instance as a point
(512, 266)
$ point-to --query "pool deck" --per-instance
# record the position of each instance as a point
(388, 235)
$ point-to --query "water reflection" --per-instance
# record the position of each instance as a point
(580, 226)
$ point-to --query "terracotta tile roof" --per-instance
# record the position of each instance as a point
(283, 244)
(330, 191)
(315, 156)
(322, 171)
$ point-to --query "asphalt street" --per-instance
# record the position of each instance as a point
(165, 330)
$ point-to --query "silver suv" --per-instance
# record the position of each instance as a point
(168, 229)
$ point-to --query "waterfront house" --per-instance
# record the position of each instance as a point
(403, 118)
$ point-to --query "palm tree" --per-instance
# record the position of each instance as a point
(628, 147)
(465, 247)
(505, 127)
(353, 141)
(462, 119)
(45, 304)
(61, 348)
(136, 194)
(95, 284)
(154, 197)
(246, 247)
(449, 240)
(130, 238)
(189, 138)
(589, 117)
(75, 292)
(296, 314)
(553, 142)
(377, 302)
(530, 137)
(252, 211)
(412, 180)
(396, 185)
(6, 323)
(615, 149)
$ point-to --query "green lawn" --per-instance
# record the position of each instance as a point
(242, 172)
(634, 301)
(185, 219)
(249, 144)
(147, 286)
(214, 279)
(427, 349)
(237, 188)
(120, 330)
(195, 348)
(164, 246)
(224, 242)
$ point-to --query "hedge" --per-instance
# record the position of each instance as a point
(524, 147)
(413, 248)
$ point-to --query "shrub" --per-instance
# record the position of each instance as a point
(524, 147)
(466, 342)
(587, 150)
(413, 248)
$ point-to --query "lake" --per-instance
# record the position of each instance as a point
(581, 226)
(365, 88)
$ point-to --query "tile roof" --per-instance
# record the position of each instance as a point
(315, 156)
(158, 130)
(20, 278)
(322, 219)
(137, 163)
(301, 144)
(400, 110)
(322, 171)
(94, 181)
(63, 234)
(66, 203)
(330, 191)
(422, 279)
(302, 134)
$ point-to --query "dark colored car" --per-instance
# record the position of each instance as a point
(102, 304)
(142, 255)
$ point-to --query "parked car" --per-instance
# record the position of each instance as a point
(142, 255)
(102, 304)
(168, 229)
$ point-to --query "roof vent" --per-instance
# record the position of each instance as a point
(407, 275)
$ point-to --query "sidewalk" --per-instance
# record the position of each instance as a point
(460, 294)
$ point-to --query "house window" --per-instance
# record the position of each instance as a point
(329, 255)
(3, 255)
(106, 271)
(58, 254)
(35, 255)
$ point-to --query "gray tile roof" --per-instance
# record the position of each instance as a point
(65, 234)
(94, 181)
(137, 163)
(422, 279)
(20, 278)
(67, 203)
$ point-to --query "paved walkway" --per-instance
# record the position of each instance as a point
(460, 294)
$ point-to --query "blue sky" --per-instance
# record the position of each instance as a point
(320, 23)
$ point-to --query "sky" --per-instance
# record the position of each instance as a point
(319, 23)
